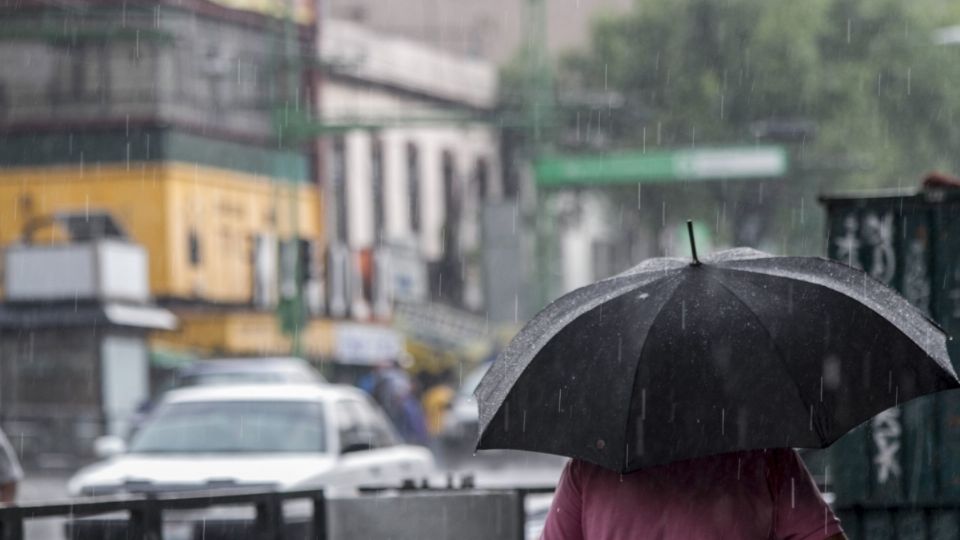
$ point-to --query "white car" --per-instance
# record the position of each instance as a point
(257, 436)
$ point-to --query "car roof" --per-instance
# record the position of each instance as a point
(248, 364)
(263, 392)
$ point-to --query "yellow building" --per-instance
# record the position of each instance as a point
(199, 225)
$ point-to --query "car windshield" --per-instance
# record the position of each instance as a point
(233, 427)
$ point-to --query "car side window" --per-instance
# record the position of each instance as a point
(383, 432)
(349, 423)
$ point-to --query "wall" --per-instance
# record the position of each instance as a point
(466, 144)
(159, 206)
(492, 29)
(125, 65)
(50, 391)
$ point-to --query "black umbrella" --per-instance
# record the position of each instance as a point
(675, 360)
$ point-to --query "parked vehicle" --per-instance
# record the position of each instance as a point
(279, 436)
(224, 371)
(288, 370)
(459, 431)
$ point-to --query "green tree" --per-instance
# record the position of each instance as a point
(870, 98)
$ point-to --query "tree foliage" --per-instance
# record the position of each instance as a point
(866, 74)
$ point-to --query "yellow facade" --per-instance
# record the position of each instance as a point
(161, 206)
(243, 333)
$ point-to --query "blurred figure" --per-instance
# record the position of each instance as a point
(10, 472)
(436, 400)
(392, 388)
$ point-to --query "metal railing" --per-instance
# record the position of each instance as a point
(146, 512)
(522, 493)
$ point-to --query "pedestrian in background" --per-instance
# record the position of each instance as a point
(393, 389)
(10, 472)
(436, 400)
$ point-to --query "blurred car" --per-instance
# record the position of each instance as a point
(280, 436)
(460, 423)
(223, 371)
(286, 370)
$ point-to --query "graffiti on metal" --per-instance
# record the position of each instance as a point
(886, 435)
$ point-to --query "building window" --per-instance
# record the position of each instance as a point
(413, 186)
(447, 277)
(338, 164)
(376, 172)
(450, 199)
(193, 246)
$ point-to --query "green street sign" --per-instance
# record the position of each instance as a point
(640, 167)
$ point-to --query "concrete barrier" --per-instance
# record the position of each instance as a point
(414, 515)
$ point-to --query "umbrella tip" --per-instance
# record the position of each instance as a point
(693, 244)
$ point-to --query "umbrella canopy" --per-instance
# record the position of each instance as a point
(673, 360)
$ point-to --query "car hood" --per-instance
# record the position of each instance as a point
(148, 473)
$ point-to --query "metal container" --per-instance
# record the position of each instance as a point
(898, 475)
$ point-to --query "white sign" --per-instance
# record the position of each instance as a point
(731, 163)
(366, 344)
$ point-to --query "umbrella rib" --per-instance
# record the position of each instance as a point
(871, 303)
(636, 368)
(776, 348)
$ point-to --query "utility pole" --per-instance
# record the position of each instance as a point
(540, 116)
(290, 307)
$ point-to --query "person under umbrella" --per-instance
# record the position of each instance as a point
(743, 495)
(680, 388)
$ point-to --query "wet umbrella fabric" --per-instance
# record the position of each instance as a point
(672, 361)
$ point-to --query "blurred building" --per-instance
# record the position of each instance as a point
(74, 332)
(493, 29)
(162, 115)
(157, 119)
(411, 168)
